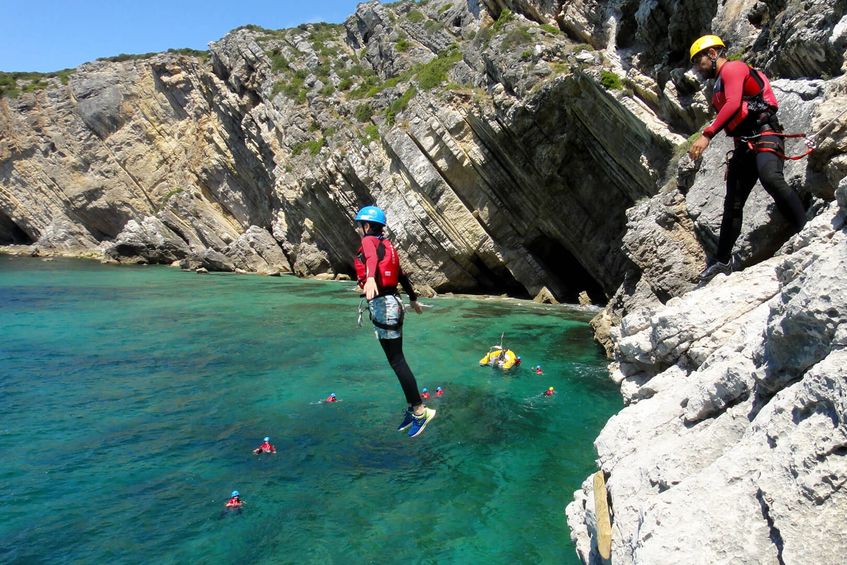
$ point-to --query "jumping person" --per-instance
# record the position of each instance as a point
(746, 107)
(378, 272)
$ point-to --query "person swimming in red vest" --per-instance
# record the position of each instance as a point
(378, 272)
(266, 447)
(550, 391)
(331, 398)
(439, 391)
(538, 370)
(747, 108)
(235, 500)
(425, 393)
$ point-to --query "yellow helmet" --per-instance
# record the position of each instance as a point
(704, 43)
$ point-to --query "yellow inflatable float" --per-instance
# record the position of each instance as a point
(500, 357)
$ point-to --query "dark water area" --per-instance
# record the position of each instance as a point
(131, 398)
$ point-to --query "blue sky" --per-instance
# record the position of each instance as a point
(49, 35)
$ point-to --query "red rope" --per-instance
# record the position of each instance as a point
(762, 146)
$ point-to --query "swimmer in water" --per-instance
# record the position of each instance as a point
(425, 393)
(439, 391)
(538, 370)
(235, 500)
(331, 398)
(266, 447)
(550, 391)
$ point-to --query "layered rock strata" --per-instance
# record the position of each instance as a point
(529, 146)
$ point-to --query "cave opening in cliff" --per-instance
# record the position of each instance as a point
(570, 276)
(11, 233)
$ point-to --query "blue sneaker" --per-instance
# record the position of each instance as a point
(420, 422)
(408, 418)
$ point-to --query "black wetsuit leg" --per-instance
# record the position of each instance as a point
(394, 353)
(770, 168)
(741, 176)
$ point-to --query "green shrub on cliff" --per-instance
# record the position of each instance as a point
(610, 80)
(371, 134)
(363, 112)
(12, 84)
(515, 37)
(402, 45)
(399, 104)
(431, 74)
(278, 61)
(313, 147)
(415, 16)
(190, 52)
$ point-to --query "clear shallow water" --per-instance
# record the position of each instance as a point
(131, 397)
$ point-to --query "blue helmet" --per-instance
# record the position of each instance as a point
(425, 389)
(332, 395)
(438, 388)
(234, 493)
(371, 214)
(267, 439)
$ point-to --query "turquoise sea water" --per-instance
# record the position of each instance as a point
(131, 397)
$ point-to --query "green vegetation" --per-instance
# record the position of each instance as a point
(190, 52)
(345, 84)
(415, 16)
(12, 84)
(293, 87)
(371, 134)
(526, 54)
(430, 75)
(402, 45)
(610, 80)
(363, 112)
(551, 29)
(327, 90)
(486, 34)
(399, 104)
(127, 57)
(516, 37)
(444, 8)
(313, 146)
(433, 26)
(278, 61)
(505, 17)
(735, 56)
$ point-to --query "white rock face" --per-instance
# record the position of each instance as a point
(733, 448)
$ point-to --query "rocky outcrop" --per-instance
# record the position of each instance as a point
(290, 131)
(532, 147)
(735, 416)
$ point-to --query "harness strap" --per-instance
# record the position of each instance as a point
(377, 323)
(772, 147)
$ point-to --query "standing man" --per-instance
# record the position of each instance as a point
(378, 272)
(746, 106)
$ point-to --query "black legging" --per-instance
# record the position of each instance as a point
(394, 352)
(744, 168)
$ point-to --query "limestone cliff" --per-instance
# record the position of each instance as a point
(515, 145)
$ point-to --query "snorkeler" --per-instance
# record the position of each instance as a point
(266, 447)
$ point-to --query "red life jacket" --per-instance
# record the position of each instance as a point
(387, 268)
(757, 97)
(233, 502)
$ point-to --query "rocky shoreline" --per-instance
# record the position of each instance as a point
(518, 147)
